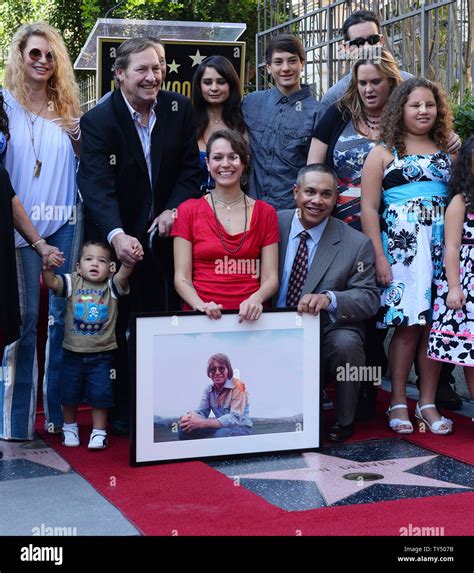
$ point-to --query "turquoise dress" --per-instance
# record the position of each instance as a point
(415, 198)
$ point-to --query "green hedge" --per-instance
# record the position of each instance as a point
(464, 118)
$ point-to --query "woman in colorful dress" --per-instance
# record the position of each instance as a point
(452, 334)
(226, 244)
(42, 103)
(409, 173)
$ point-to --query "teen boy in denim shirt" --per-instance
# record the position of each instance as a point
(280, 123)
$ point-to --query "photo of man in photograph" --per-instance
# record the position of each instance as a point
(227, 398)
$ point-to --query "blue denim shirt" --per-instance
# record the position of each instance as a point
(233, 409)
(280, 130)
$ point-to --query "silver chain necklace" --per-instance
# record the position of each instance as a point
(227, 204)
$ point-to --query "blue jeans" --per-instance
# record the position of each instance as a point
(203, 433)
(85, 377)
(18, 390)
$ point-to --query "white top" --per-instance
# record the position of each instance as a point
(50, 199)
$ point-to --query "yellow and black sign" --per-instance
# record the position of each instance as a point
(182, 59)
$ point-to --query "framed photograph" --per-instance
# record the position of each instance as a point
(211, 388)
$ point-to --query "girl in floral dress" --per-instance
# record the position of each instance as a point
(452, 334)
(409, 172)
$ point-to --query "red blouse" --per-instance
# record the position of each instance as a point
(218, 275)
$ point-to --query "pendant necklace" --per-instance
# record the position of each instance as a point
(31, 125)
(229, 205)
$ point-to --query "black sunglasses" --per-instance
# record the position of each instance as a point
(214, 369)
(371, 40)
(35, 55)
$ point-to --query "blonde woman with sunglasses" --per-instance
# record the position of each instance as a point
(42, 102)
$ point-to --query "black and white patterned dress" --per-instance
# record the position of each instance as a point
(415, 197)
(452, 332)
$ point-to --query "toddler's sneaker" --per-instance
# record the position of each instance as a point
(70, 435)
(98, 440)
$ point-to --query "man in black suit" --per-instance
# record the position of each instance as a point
(327, 265)
(139, 161)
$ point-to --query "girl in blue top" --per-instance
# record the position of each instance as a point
(409, 173)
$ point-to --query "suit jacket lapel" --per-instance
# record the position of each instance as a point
(328, 248)
(127, 126)
(285, 226)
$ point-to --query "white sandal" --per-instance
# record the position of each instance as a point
(435, 426)
(397, 422)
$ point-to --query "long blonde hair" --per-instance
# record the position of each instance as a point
(351, 103)
(63, 90)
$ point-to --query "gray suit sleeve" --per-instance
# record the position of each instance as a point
(361, 298)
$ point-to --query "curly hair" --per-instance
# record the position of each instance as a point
(231, 113)
(63, 90)
(392, 132)
(351, 104)
(3, 118)
(463, 174)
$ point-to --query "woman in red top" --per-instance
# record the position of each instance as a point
(226, 244)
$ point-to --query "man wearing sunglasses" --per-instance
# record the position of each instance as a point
(361, 31)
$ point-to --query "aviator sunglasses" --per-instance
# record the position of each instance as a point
(35, 55)
(371, 40)
(214, 369)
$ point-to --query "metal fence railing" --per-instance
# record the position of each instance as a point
(87, 93)
(429, 38)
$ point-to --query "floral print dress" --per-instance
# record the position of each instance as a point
(415, 198)
(452, 333)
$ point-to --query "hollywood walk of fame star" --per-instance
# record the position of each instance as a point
(174, 66)
(328, 473)
(36, 452)
(197, 59)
